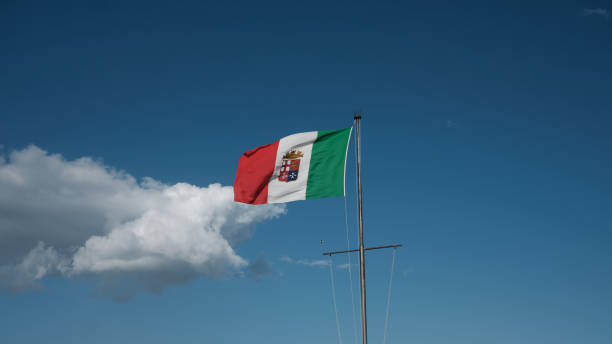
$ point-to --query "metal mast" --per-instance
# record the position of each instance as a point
(364, 320)
(361, 249)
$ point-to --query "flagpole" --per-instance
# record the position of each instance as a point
(364, 326)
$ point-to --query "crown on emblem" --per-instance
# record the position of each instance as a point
(293, 154)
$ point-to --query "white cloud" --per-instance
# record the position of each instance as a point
(306, 262)
(39, 262)
(346, 266)
(596, 12)
(259, 269)
(82, 218)
(286, 259)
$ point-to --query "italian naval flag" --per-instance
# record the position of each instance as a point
(296, 167)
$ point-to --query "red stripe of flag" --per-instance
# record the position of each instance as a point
(255, 170)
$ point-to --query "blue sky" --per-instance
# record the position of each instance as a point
(486, 138)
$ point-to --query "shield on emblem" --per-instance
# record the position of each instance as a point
(290, 166)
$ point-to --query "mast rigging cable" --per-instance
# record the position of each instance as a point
(331, 275)
(389, 297)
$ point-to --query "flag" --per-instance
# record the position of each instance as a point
(296, 167)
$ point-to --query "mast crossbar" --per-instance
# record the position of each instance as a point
(357, 250)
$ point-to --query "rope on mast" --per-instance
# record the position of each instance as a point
(356, 186)
(348, 259)
(331, 275)
(356, 191)
(389, 297)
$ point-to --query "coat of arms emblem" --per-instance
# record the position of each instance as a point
(290, 166)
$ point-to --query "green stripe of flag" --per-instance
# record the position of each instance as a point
(326, 172)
